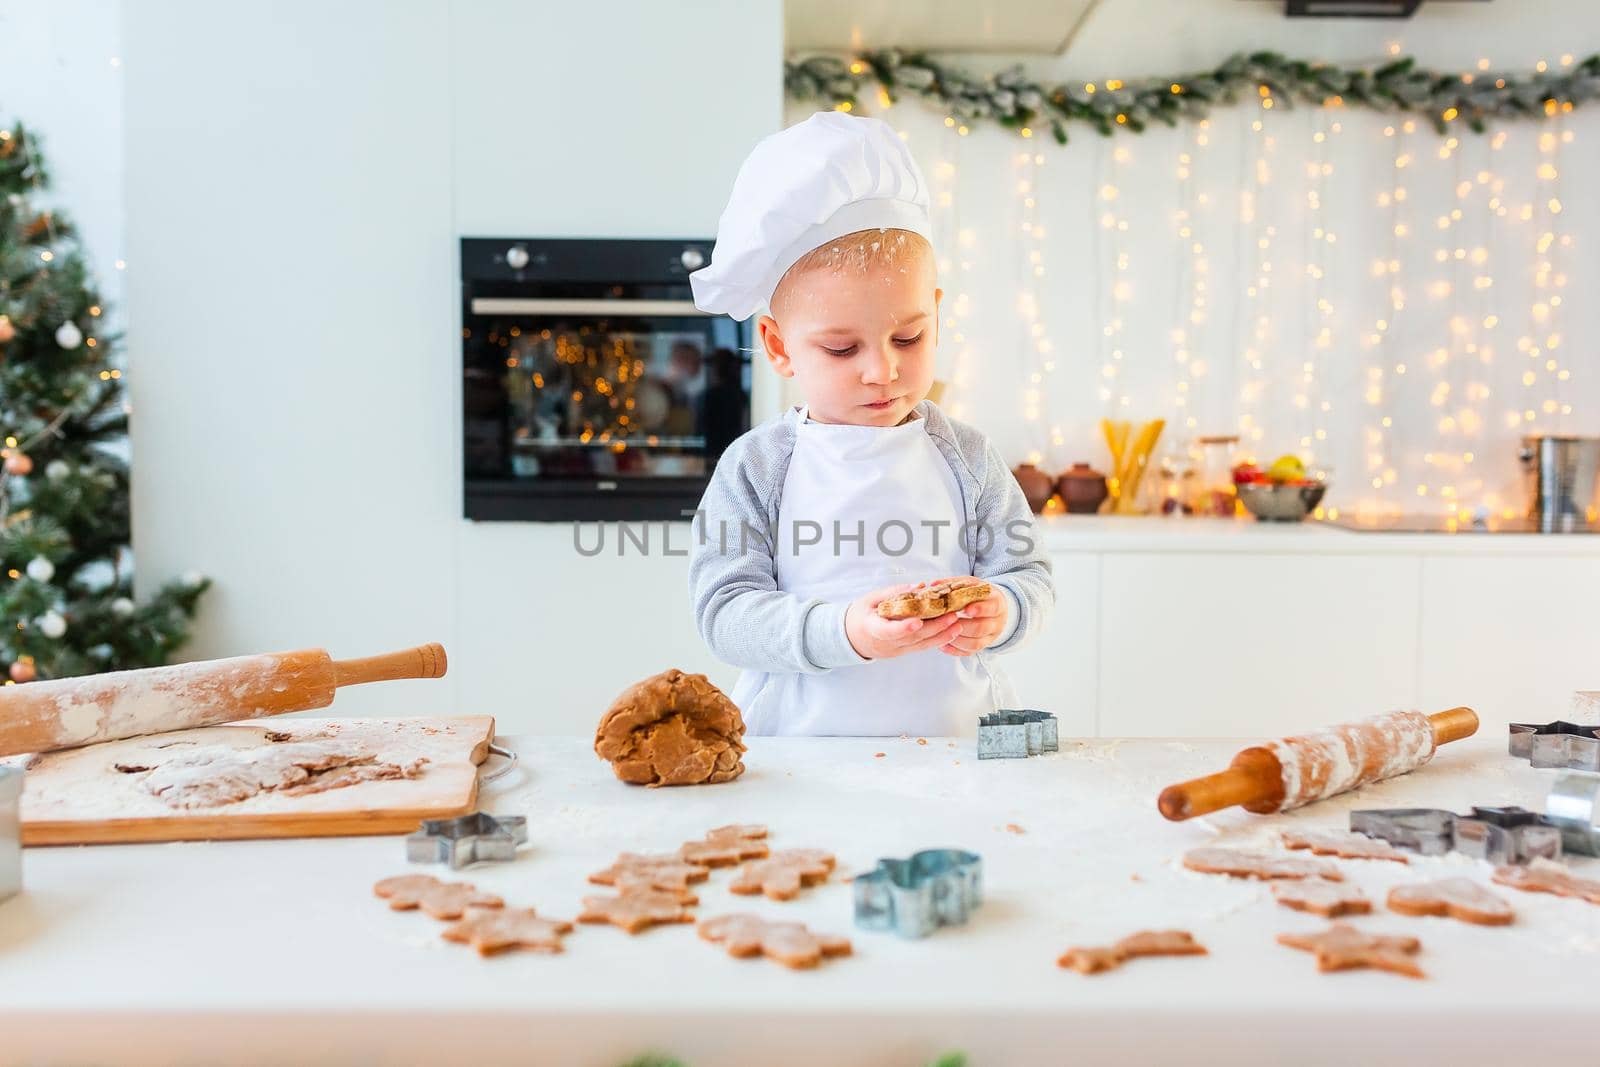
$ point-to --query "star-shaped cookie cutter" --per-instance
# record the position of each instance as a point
(1500, 835)
(1561, 744)
(914, 897)
(469, 839)
(1016, 733)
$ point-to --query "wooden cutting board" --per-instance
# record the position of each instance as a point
(81, 797)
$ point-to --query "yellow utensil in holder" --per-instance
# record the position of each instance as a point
(1128, 461)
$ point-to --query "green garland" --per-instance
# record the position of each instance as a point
(1012, 99)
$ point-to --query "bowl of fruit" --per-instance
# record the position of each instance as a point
(1283, 492)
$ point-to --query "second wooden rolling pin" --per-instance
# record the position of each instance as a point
(70, 712)
(1294, 771)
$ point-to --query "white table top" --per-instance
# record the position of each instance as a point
(277, 950)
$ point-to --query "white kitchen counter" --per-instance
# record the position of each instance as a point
(1179, 534)
(277, 952)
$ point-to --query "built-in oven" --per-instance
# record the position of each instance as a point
(593, 388)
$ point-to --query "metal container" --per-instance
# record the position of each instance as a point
(10, 831)
(1560, 473)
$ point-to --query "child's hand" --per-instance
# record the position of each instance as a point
(875, 637)
(981, 623)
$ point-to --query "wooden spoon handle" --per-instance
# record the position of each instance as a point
(423, 661)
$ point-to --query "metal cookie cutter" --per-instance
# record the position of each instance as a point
(1017, 733)
(1556, 744)
(10, 831)
(1570, 808)
(913, 897)
(469, 839)
(1499, 835)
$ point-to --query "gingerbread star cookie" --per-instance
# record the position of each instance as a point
(496, 931)
(635, 909)
(726, 846)
(781, 875)
(1345, 846)
(1143, 943)
(662, 871)
(442, 900)
(931, 601)
(1459, 898)
(1240, 863)
(791, 944)
(1330, 899)
(1543, 876)
(1343, 948)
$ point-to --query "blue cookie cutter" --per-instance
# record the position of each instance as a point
(914, 897)
(1017, 733)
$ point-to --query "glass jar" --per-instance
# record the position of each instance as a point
(1211, 491)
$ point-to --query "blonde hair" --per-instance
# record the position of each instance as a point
(857, 253)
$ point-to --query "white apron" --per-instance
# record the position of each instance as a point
(870, 479)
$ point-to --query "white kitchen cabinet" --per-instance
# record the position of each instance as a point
(1223, 645)
(1058, 670)
(1510, 637)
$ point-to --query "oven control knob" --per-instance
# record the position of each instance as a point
(692, 259)
(516, 257)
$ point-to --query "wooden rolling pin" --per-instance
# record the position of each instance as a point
(69, 712)
(1294, 771)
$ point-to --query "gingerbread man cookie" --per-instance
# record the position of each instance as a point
(1343, 948)
(726, 846)
(1345, 846)
(442, 900)
(791, 944)
(667, 871)
(782, 874)
(635, 909)
(1240, 863)
(1459, 898)
(1329, 899)
(1143, 943)
(1544, 876)
(496, 931)
(931, 601)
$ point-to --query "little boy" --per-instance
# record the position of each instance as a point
(868, 489)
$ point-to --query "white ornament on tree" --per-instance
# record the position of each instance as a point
(68, 335)
(122, 607)
(52, 625)
(57, 469)
(41, 569)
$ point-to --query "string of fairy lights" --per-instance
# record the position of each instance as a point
(1382, 340)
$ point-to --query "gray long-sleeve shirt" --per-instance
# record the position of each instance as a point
(749, 622)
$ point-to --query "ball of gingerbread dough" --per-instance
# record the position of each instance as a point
(672, 729)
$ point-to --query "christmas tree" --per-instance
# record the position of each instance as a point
(66, 575)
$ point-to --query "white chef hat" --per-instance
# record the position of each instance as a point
(800, 188)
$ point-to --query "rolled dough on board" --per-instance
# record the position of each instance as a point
(79, 797)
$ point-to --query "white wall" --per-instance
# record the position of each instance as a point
(298, 175)
(61, 76)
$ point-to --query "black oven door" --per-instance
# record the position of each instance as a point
(601, 405)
